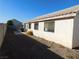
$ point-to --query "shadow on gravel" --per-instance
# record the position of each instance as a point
(24, 47)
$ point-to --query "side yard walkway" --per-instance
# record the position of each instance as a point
(64, 52)
(24, 47)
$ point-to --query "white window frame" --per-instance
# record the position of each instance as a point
(49, 26)
(36, 26)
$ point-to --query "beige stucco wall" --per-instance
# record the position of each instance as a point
(62, 35)
(2, 33)
(26, 26)
(76, 31)
(32, 26)
(64, 32)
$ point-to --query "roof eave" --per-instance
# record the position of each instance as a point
(55, 18)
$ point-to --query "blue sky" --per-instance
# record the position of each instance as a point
(23, 10)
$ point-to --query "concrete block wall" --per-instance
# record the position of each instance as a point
(2, 32)
(76, 31)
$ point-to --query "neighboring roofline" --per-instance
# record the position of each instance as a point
(68, 12)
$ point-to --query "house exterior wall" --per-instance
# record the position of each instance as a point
(32, 26)
(26, 26)
(76, 31)
(64, 32)
(62, 35)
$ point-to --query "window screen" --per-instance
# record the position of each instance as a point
(36, 26)
(49, 26)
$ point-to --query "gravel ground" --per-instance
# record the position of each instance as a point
(64, 52)
(23, 47)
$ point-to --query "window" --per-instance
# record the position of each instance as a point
(36, 26)
(29, 25)
(49, 26)
(26, 26)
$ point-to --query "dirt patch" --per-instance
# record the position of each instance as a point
(58, 49)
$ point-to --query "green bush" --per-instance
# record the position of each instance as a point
(10, 22)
